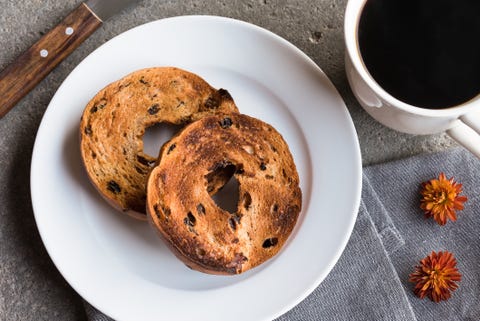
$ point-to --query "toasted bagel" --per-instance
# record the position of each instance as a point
(190, 168)
(114, 122)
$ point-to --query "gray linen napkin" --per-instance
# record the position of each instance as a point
(391, 235)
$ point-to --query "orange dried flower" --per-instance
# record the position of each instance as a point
(440, 199)
(436, 276)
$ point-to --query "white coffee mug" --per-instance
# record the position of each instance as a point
(461, 122)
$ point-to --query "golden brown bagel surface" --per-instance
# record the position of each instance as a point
(193, 164)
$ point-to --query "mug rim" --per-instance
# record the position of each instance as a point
(352, 16)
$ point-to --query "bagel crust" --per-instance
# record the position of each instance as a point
(195, 164)
(114, 122)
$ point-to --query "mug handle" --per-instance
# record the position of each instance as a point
(466, 131)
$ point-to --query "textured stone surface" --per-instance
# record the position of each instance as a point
(30, 286)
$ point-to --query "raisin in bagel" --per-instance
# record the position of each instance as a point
(192, 164)
(114, 121)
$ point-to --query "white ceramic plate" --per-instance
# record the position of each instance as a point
(118, 264)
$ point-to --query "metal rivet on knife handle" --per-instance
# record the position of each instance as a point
(68, 31)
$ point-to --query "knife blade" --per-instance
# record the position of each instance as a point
(32, 66)
(105, 9)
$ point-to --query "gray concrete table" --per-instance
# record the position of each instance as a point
(30, 286)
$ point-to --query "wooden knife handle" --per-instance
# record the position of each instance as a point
(24, 73)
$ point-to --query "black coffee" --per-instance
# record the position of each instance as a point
(423, 52)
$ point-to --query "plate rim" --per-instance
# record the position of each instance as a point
(219, 19)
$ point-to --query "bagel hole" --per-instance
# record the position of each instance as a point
(226, 197)
(157, 135)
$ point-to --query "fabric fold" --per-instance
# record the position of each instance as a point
(397, 184)
(388, 233)
(363, 285)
